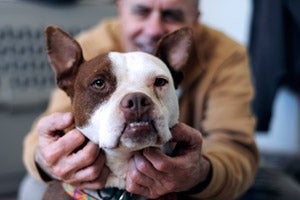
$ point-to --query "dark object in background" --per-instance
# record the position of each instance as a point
(274, 53)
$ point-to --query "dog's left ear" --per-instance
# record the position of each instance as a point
(174, 49)
(65, 57)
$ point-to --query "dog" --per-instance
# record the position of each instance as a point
(124, 102)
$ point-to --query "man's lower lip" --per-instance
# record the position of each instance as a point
(146, 49)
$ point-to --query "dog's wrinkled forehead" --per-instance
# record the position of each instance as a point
(138, 66)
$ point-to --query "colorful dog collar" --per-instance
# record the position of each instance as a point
(110, 194)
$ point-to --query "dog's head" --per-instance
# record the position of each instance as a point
(121, 100)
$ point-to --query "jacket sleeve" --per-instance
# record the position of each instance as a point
(59, 102)
(227, 124)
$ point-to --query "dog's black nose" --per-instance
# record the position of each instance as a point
(136, 105)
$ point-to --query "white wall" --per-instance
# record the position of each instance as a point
(233, 17)
(229, 16)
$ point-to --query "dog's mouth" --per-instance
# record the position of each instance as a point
(136, 129)
(139, 132)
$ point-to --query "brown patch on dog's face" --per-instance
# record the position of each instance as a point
(94, 85)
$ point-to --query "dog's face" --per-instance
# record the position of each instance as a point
(125, 100)
(121, 100)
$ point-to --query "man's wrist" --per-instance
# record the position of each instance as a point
(44, 176)
(202, 184)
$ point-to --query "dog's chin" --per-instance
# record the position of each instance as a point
(138, 135)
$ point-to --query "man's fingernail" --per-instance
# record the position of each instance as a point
(67, 117)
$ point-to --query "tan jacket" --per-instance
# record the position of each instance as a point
(216, 95)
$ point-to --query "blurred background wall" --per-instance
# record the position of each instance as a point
(26, 79)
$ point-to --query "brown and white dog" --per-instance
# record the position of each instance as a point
(124, 102)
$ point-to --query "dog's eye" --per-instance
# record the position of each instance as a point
(159, 82)
(98, 84)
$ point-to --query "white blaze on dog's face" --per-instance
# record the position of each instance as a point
(121, 100)
(142, 108)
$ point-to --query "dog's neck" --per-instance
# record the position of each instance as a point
(117, 162)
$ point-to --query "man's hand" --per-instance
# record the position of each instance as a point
(153, 174)
(66, 157)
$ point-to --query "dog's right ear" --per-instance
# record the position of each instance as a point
(65, 57)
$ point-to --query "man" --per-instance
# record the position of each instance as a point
(219, 157)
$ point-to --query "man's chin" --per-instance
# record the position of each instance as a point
(146, 48)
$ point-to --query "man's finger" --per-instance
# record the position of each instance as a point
(187, 139)
(183, 133)
(65, 145)
(98, 183)
(160, 161)
(86, 156)
(54, 122)
(131, 181)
